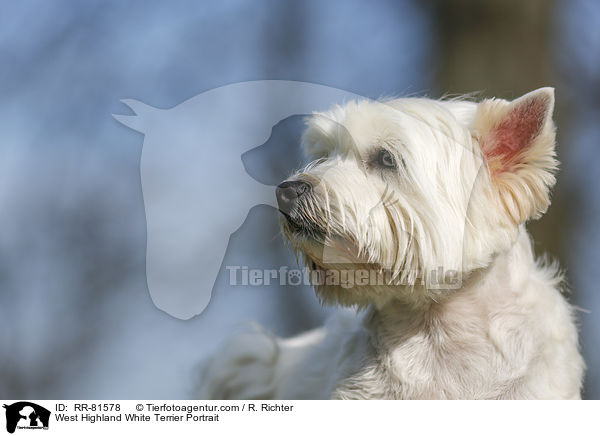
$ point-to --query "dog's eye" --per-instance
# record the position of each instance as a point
(385, 159)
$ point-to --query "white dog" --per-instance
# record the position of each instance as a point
(424, 203)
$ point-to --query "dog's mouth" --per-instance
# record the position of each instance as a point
(295, 224)
(306, 226)
(333, 253)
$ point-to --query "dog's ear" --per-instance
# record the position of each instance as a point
(517, 141)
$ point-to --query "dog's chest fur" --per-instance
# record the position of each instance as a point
(507, 334)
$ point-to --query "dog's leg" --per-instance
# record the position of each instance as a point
(242, 369)
(258, 365)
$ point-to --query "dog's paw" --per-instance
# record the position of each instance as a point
(243, 369)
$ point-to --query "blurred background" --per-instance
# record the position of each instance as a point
(76, 319)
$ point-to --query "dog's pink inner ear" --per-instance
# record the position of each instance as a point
(511, 135)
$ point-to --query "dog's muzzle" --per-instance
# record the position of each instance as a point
(298, 205)
(288, 194)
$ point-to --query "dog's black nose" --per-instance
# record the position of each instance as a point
(288, 192)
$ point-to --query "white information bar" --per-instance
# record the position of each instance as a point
(309, 418)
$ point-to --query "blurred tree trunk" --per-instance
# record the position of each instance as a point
(501, 48)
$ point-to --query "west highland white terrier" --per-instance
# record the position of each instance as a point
(413, 211)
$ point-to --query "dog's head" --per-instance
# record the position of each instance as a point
(410, 195)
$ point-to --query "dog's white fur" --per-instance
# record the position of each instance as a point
(465, 178)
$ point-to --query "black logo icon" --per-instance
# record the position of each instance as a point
(30, 415)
